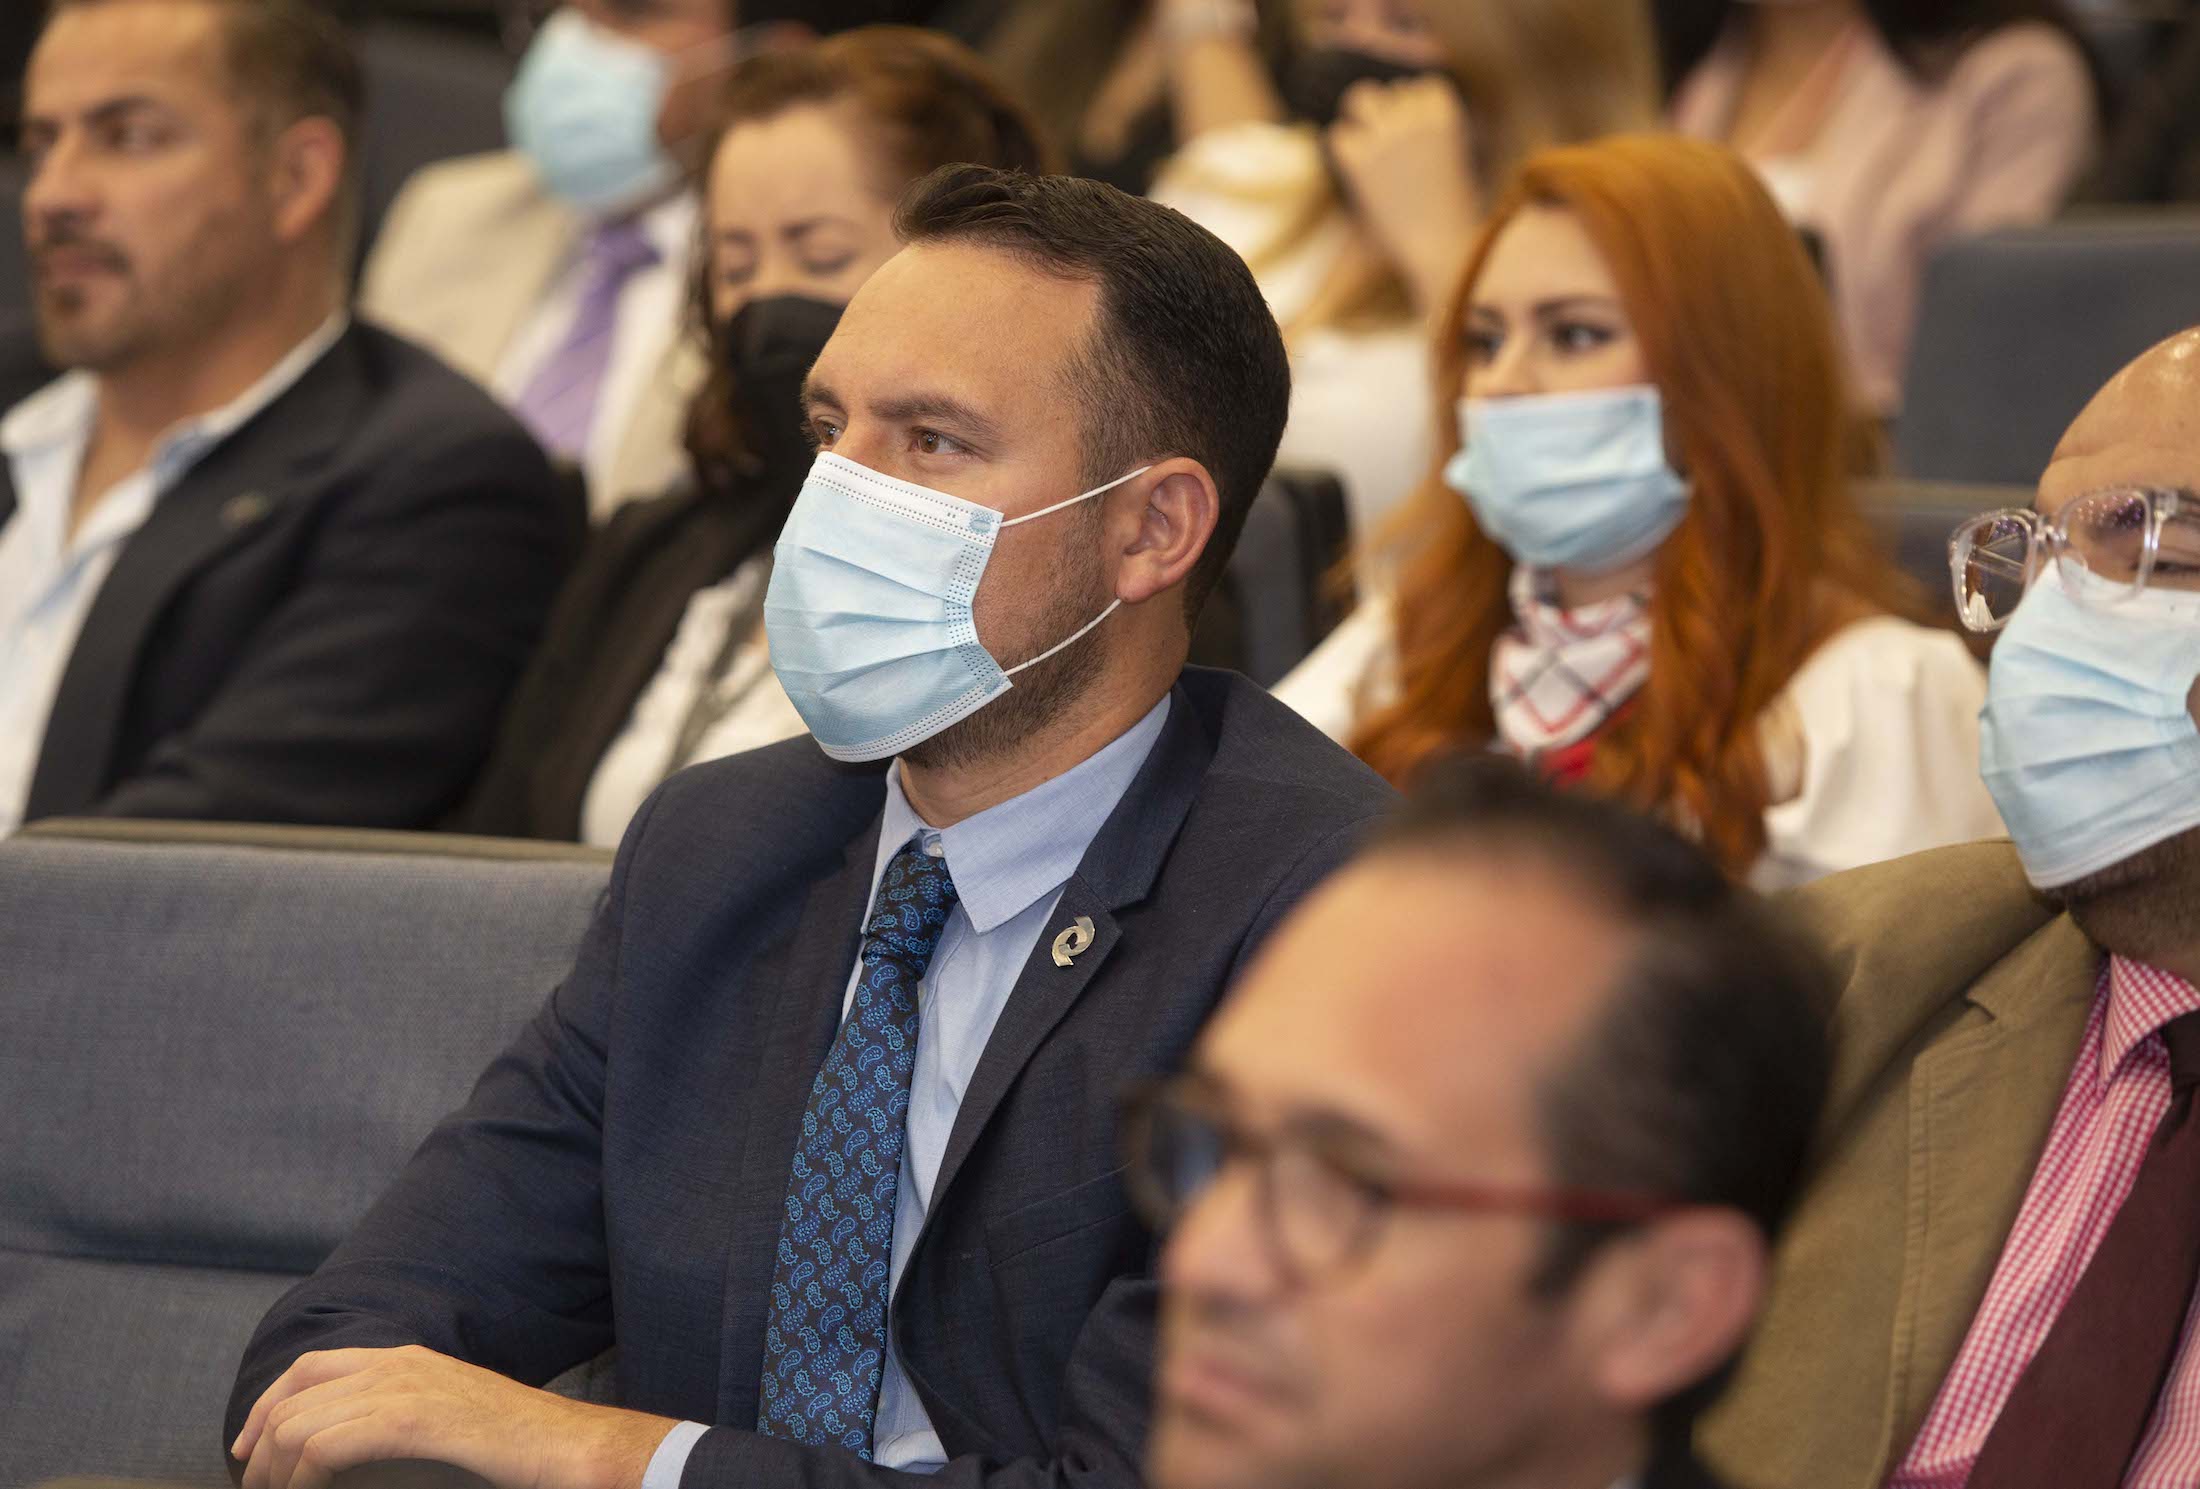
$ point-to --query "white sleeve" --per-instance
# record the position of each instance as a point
(1888, 715)
(1248, 184)
(1354, 669)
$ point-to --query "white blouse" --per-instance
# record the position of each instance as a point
(755, 710)
(1359, 394)
(1886, 714)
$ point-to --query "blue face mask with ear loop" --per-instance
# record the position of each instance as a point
(2087, 741)
(584, 109)
(1575, 481)
(868, 613)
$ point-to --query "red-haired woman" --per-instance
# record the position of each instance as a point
(1638, 562)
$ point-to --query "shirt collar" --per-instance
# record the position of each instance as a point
(65, 409)
(62, 410)
(1008, 856)
(2141, 999)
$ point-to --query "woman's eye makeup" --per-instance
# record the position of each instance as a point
(1576, 337)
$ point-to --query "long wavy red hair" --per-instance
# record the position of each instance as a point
(1773, 556)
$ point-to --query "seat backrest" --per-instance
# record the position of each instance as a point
(214, 1057)
(22, 369)
(1914, 520)
(1276, 600)
(432, 94)
(2017, 330)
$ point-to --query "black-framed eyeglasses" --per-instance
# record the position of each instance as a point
(2106, 546)
(1322, 1205)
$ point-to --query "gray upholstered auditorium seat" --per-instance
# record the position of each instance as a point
(1914, 520)
(215, 1050)
(2018, 329)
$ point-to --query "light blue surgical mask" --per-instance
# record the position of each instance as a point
(1570, 480)
(2087, 741)
(868, 610)
(584, 110)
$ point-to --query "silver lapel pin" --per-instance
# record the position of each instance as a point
(1074, 942)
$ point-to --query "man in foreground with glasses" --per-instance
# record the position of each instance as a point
(1471, 1181)
(1990, 1280)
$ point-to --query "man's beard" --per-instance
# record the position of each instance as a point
(1036, 698)
(202, 288)
(2147, 907)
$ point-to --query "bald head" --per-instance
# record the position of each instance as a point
(2141, 429)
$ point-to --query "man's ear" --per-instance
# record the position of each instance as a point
(306, 176)
(1165, 519)
(1663, 1309)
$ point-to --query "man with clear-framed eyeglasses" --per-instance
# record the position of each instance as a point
(1991, 1279)
(1471, 1181)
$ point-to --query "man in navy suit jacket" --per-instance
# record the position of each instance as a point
(1073, 870)
(259, 561)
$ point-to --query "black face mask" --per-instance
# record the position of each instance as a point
(769, 346)
(1315, 83)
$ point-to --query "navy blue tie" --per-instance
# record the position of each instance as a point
(825, 1342)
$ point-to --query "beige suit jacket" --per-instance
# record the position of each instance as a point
(1964, 999)
(468, 250)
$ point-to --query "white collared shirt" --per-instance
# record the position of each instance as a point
(49, 577)
(651, 314)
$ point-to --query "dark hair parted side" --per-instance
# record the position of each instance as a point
(921, 100)
(1184, 358)
(289, 60)
(1705, 1076)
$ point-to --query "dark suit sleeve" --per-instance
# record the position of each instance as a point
(490, 1246)
(1108, 1396)
(369, 697)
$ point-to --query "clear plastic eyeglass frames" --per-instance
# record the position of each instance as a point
(2107, 547)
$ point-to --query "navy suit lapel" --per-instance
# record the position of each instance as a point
(808, 988)
(221, 500)
(1118, 870)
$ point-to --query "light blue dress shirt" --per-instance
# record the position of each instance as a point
(1009, 864)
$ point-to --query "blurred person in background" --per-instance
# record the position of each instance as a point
(1638, 562)
(1354, 189)
(554, 272)
(1889, 128)
(655, 656)
(1989, 1279)
(1473, 1179)
(259, 560)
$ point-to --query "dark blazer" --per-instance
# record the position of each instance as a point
(321, 620)
(618, 1175)
(606, 640)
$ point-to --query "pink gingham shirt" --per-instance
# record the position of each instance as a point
(2117, 1095)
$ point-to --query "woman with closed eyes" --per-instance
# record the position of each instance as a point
(655, 657)
(1637, 563)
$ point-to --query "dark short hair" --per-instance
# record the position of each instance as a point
(1704, 1078)
(1185, 358)
(922, 99)
(289, 60)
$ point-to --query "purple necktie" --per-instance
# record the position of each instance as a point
(559, 401)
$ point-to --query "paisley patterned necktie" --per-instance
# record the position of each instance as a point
(825, 1342)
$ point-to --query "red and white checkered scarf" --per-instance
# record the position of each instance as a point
(1558, 675)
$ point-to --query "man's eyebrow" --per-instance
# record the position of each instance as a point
(106, 111)
(936, 408)
(815, 392)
